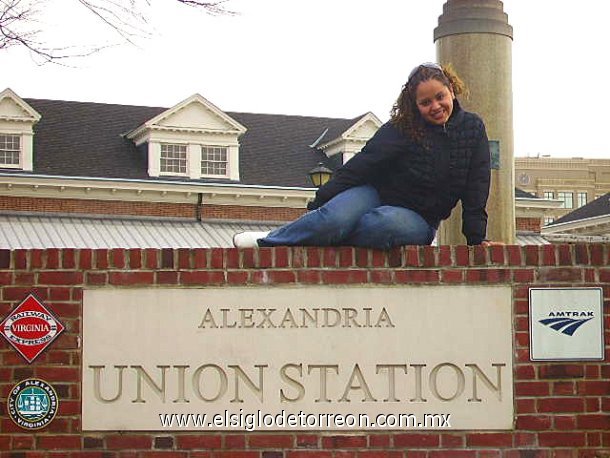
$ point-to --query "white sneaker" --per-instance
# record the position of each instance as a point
(248, 239)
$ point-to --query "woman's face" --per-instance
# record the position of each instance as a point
(434, 101)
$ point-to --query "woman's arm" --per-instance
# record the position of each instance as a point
(360, 169)
(474, 199)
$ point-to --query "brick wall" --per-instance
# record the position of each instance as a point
(127, 208)
(528, 224)
(561, 410)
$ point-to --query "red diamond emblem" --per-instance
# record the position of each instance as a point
(31, 328)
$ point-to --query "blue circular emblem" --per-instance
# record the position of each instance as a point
(32, 404)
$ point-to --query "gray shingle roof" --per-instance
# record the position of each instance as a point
(86, 139)
(599, 207)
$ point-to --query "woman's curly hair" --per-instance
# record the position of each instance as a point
(405, 114)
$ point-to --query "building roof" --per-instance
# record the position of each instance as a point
(39, 231)
(599, 207)
(521, 194)
(87, 140)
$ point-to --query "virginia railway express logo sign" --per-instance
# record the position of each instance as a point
(31, 328)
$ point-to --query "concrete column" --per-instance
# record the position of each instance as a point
(475, 37)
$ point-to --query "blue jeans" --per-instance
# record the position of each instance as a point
(354, 217)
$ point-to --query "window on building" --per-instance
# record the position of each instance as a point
(173, 159)
(214, 160)
(10, 150)
(567, 198)
(581, 199)
(548, 220)
(549, 194)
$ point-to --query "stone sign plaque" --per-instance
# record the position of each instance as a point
(300, 358)
(566, 324)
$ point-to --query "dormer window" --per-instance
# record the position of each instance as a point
(173, 159)
(193, 139)
(214, 160)
(10, 151)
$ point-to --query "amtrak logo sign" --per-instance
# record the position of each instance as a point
(32, 404)
(566, 324)
(31, 328)
(561, 321)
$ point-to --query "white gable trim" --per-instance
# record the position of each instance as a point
(31, 115)
(235, 127)
(353, 139)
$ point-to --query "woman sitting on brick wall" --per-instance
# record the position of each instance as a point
(407, 178)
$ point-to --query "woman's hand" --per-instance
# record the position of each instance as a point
(491, 243)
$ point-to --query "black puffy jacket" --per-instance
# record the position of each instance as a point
(452, 164)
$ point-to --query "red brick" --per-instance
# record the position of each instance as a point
(152, 258)
(479, 255)
(22, 278)
(452, 454)
(344, 276)
(94, 278)
(564, 253)
(168, 258)
(247, 258)
(217, 257)
(53, 258)
(60, 278)
(265, 258)
(417, 440)
(452, 276)
(561, 439)
(344, 442)
(412, 256)
(489, 440)
(531, 255)
(135, 258)
(127, 442)
(525, 372)
(594, 388)
(21, 442)
(68, 260)
(166, 277)
(561, 405)
(427, 255)
(59, 374)
(581, 254)
(299, 256)
(232, 258)
(281, 257)
(270, 441)
(522, 439)
(561, 371)
(381, 276)
(239, 277)
(395, 257)
(379, 440)
(162, 454)
(117, 256)
(532, 388)
(462, 255)
(600, 421)
(444, 256)
(56, 442)
(496, 254)
(282, 276)
(514, 255)
(184, 258)
(307, 440)
(452, 440)
(378, 258)
(236, 441)
(101, 258)
(309, 276)
(131, 278)
(564, 388)
(202, 277)
(200, 258)
(597, 255)
(560, 274)
(523, 276)
(416, 276)
(308, 454)
(314, 257)
(198, 441)
(85, 259)
(549, 257)
(533, 422)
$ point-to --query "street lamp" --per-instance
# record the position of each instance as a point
(319, 175)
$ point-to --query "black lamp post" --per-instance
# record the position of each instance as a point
(319, 175)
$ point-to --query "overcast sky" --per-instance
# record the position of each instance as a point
(335, 58)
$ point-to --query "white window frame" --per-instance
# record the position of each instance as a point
(562, 195)
(207, 149)
(19, 151)
(548, 194)
(580, 202)
(182, 146)
(548, 220)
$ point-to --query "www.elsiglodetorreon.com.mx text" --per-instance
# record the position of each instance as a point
(301, 420)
